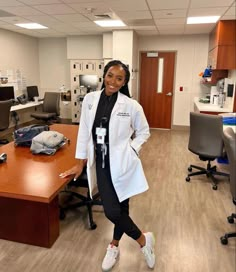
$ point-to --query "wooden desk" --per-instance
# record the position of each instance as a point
(29, 187)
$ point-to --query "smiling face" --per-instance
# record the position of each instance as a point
(114, 79)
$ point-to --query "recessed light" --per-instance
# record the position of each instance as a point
(109, 23)
(202, 20)
(31, 26)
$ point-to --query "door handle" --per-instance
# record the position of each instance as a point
(169, 94)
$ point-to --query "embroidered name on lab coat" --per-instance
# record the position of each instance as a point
(123, 114)
(90, 106)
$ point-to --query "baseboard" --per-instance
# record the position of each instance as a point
(174, 127)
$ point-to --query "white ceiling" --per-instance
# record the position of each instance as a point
(146, 17)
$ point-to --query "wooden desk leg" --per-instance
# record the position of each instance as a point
(29, 222)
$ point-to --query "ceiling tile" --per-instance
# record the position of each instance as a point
(210, 3)
(207, 11)
(147, 32)
(55, 9)
(168, 4)
(130, 5)
(169, 13)
(170, 21)
(40, 2)
(25, 10)
(68, 18)
(134, 15)
(10, 3)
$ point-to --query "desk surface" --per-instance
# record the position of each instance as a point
(207, 107)
(25, 106)
(36, 177)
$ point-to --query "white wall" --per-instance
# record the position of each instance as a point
(134, 70)
(191, 52)
(84, 47)
(53, 64)
(123, 51)
(107, 45)
(19, 51)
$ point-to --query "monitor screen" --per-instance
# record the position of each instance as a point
(32, 91)
(89, 81)
(7, 93)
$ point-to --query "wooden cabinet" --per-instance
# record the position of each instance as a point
(222, 46)
(216, 75)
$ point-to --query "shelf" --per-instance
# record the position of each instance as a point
(216, 75)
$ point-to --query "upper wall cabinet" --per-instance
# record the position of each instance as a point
(222, 45)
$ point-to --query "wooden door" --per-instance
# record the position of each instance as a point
(157, 101)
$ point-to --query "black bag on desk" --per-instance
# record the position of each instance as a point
(23, 136)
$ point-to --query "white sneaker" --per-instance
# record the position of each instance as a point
(148, 249)
(110, 258)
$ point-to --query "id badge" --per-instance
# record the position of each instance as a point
(101, 133)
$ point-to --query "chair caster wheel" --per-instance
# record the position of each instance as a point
(187, 179)
(230, 219)
(62, 215)
(224, 240)
(214, 187)
(190, 169)
(93, 226)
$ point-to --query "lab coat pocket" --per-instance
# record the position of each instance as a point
(132, 159)
(123, 126)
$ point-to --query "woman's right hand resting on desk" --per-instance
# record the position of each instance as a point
(76, 170)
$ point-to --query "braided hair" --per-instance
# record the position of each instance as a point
(124, 89)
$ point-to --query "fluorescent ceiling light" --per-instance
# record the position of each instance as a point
(109, 23)
(202, 20)
(31, 26)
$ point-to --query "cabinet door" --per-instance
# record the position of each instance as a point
(76, 66)
(212, 58)
(222, 57)
(227, 32)
(223, 34)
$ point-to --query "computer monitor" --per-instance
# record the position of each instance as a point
(7, 93)
(89, 81)
(32, 91)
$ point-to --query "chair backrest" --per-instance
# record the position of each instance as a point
(229, 138)
(5, 108)
(51, 103)
(206, 135)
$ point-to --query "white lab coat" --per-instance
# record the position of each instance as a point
(126, 118)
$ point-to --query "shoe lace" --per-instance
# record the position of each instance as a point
(111, 252)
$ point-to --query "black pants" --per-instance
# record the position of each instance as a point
(117, 212)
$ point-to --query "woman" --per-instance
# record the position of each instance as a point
(112, 129)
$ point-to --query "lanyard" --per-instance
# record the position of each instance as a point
(101, 133)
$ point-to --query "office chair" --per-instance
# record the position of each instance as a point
(229, 138)
(5, 108)
(81, 181)
(51, 107)
(205, 140)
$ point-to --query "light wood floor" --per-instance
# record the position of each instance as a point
(188, 220)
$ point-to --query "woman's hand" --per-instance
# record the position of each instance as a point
(75, 170)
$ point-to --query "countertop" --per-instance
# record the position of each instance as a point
(209, 107)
